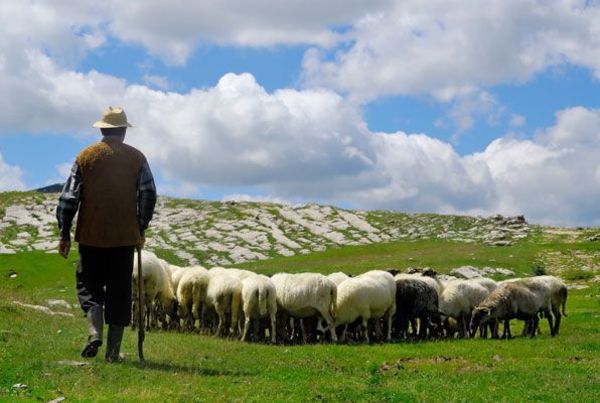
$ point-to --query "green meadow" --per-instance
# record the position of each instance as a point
(42, 351)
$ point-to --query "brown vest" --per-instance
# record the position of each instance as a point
(108, 210)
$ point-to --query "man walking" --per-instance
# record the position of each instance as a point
(112, 187)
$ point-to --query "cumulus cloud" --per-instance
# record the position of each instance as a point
(553, 179)
(313, 144)
(448, 48)
(173, 30)
(238, 134)
(159, 82)
(11, 176)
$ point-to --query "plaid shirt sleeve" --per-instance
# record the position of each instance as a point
(146, 199)
(68, 203)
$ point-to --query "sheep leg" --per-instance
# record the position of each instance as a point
(424, 322)
(557, 319)
(330, 324)
(494, 328)
(304, 334)
(292, 328)
(365, 325)
(413, 325)
(377, 327)
(552, 332)
(273, 328)
(221, 321)
(343, 335)
(461, 326)
(148, 312)
(534, 325)
(256, 336)
(246, 327)
(506, 332)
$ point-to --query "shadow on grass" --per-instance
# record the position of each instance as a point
(195, 370)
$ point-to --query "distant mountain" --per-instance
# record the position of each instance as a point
(55, 188)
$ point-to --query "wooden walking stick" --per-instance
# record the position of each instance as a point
(141, 331)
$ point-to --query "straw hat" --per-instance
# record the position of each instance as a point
(112, 117)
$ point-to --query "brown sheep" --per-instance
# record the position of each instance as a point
(510, 301)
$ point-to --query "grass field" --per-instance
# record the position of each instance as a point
(36, 349)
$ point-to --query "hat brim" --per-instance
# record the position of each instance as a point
(103, 125)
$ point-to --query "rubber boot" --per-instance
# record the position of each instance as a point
(113, 343)
(95, 320)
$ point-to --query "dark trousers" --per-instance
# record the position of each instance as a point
(104, 278)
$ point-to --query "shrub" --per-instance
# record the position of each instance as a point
(538, 269)
(577, 274)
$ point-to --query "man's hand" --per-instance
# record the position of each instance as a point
(64, 247)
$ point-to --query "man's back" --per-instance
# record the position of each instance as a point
(108, 211)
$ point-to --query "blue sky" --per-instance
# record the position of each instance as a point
(451, 107)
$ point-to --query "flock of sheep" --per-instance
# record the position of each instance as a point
(376, 305)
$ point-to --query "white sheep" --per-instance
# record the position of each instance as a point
(191, 291)
(338, 277)
(486, 282)
(307, 294)
(239, 273)
(458, 300)
(259, 300)
(558, 295)
(367, 296)
(155, 287)
(224, 295)
(176, 274)
(541, 287)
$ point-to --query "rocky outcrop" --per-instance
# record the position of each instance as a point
(216, 233)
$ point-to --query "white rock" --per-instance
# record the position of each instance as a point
(6, 251)
(466, 272)
(43, 309)
(357, 222)
(58, 302)
(44, 245)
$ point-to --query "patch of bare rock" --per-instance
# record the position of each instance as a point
(236, 232)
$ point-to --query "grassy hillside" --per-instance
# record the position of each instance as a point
(42, 351)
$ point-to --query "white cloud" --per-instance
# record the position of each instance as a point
(576, 127)
(173, 30)
(11, 176)
(467, 107)
(238, 134)
(176, 188)
(68, 29)
(553, 179)
(448, 48)
(156, 81)
(313, 143)
(64, 170)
